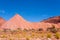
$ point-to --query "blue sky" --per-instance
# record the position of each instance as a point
(30, 10)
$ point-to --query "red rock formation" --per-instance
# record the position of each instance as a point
(54, 20)
(18, 22)
(48, 23)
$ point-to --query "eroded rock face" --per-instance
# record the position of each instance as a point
(53, 20)
(2, 21)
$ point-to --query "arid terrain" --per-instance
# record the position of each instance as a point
(17, 28)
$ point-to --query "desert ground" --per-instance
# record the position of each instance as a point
(50, 34)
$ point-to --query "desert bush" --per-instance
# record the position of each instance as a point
(40, 29)
(52, 29)
(18, 30)
(32, 30)
(57, 35)
(49, 35)
(27, 38)
(25, 30)
(42, 35)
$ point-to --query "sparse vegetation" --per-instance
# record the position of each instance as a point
(48, 35)
(40, 29)
(30, 33)
(52, 29)
(57, 35)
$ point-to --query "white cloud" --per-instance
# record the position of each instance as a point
(2, 11)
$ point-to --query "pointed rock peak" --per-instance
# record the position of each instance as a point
(17, 15)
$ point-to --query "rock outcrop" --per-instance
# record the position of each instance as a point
(54, 20)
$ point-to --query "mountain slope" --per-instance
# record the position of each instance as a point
(16, 22)
(2, 21)
(47, 23)
(54, 20)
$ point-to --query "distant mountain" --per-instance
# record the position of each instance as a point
(16, 22)
(2, 21)
(54, 20)
(47, 23)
